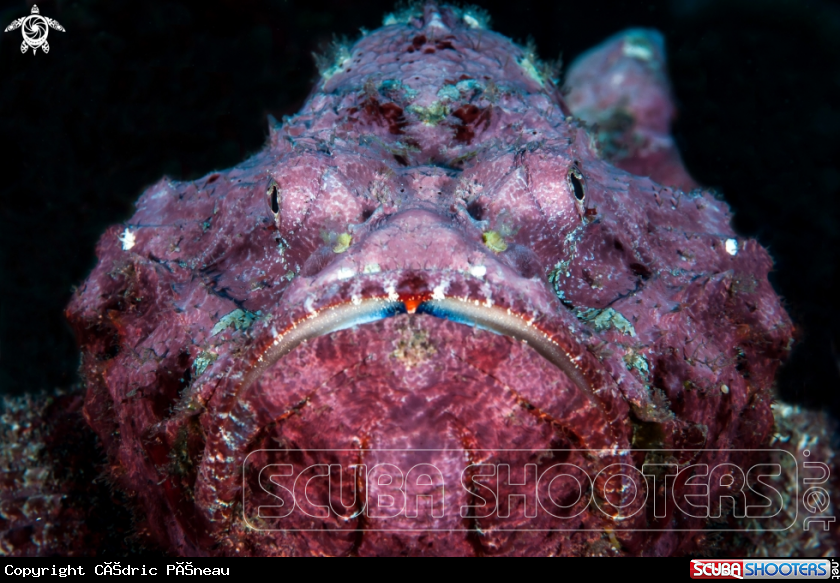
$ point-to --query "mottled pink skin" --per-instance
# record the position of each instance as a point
(417, 188)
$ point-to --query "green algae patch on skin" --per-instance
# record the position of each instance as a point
(494, 241)
(342, 243)
(239, 319)
(204, 360)
(606, 319)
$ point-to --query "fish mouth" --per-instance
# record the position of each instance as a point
(460, 310)
(464, 301)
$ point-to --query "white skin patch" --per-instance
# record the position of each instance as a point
(478, 271)
(127, 239)
(391, 290)
(439, 292)
(471, 21)
(732, 246)
(637, 49)
(436, 22)
(308, 305)
(487, 291)
(345, 273)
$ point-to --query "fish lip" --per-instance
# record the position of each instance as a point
(411, 291)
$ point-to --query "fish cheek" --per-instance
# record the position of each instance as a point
(600, 269)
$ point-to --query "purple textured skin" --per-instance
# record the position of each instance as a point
(450, 161)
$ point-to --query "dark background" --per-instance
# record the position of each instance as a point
(136, 90)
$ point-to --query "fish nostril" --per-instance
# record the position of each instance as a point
(640, 270)
(476, 210)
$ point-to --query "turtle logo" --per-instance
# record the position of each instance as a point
(35, 28)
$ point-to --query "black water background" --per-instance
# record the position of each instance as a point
(136, 90)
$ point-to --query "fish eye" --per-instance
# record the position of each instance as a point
(273, 197)
(575, 179)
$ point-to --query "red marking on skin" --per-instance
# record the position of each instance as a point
(413, 290)
(471, 118)
(468, 113)
(412, 302)
(389, 113)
